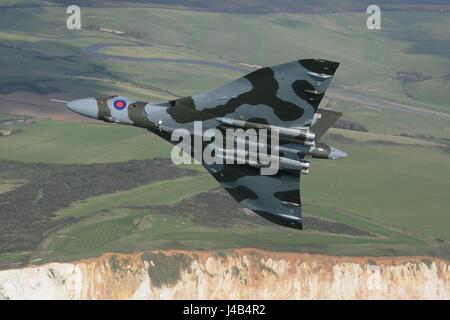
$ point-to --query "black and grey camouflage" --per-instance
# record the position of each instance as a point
(283, 98)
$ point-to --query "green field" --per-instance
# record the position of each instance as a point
(393, 122)
(369, 59)
(60, 142)
(409, 41)
(393, 187)
(7, 185)
(164, 192)
(397, 185)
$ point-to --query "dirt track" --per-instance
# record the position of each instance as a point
(353, 96)
(334, 92)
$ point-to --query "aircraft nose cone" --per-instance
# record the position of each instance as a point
(337, 154)
(86, 107)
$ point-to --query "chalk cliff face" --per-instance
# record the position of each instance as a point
(231, 274)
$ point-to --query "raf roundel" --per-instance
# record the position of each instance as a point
(120, 104)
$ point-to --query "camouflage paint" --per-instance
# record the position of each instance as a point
(286, 96)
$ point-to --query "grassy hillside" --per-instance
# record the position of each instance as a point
(246, 6)
(392, 187)
(55, 60)
(397, 184)
(412, 41)
(408, 42)
(59, 142)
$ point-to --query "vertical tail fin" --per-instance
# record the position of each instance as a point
(324, 120)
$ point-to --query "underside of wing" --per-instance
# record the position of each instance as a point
(276, 197)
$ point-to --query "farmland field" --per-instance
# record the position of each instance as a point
(389, 186)
(60, 142)
(408, 42)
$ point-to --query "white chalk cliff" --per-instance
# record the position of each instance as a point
(230, 274)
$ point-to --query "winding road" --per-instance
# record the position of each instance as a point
(378, 103)
(94, 52)
(333, 92)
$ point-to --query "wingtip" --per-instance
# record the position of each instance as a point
(320, 66)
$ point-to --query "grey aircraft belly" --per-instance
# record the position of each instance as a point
(282, 100)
